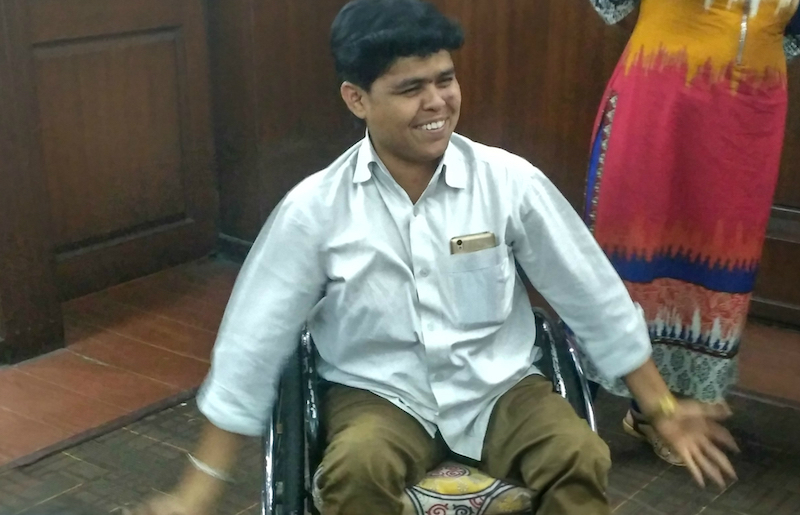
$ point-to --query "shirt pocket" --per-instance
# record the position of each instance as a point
(480, 286)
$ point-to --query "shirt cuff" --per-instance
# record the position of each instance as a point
(628, 353)
(228, 412)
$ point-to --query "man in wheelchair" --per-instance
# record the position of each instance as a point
(400, 259)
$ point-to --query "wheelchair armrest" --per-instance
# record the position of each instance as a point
(269, 494)
(311, 395)
(561, 363)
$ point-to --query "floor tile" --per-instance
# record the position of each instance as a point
(759, 498)
(20, 491)
(181, 432)
(52, 405)
(145, 344)
(674, 492)
(170, 300)
(636, 507)
(765, 425)
(109, 384)
(23, 436)
(140, 325)
(161, 365)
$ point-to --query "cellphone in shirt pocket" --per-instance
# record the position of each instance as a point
(481, 284)
(472, 243)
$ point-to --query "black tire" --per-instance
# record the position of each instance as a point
(291, 463)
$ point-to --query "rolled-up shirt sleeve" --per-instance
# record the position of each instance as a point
(280, 282)
(569, 269)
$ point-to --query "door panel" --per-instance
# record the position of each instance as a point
(123, 110)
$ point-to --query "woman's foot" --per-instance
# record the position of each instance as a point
(636, 425)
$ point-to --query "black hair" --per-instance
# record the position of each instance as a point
(368, 36)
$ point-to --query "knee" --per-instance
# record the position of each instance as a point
(583, 450)
(574, 451)
(364, 457)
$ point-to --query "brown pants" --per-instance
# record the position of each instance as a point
(375, 450)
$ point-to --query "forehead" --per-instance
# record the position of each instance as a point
(427, 67)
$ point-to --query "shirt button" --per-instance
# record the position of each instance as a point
(430, 327)
(423, 272)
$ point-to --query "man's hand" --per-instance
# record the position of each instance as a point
(198, 491)
(695, 434)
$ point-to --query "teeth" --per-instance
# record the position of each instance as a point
(433, 126)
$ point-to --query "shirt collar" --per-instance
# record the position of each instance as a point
(455, 174)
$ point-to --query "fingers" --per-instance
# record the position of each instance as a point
(708, 467)
(720, 411)
(722, 436)
(704, 459)
(688, 458)
(719, 459)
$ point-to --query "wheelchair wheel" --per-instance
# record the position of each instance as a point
(559, 363)
(290, 473)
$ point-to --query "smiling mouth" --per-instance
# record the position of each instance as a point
(433, 126)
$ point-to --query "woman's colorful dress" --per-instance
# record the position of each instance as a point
(684, 165)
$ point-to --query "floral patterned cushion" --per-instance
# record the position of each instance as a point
(455, 489)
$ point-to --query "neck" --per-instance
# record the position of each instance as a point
(412, 176)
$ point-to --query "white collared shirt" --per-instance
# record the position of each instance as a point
(392, 311)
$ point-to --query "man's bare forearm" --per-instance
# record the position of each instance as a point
(217, 449)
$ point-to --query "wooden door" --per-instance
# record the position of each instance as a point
(30, 314)
(122, 109)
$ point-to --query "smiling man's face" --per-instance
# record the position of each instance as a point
(412, 110)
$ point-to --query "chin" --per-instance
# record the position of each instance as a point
(438, 147)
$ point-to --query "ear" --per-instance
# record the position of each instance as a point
(353, 96)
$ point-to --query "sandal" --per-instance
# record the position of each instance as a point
(641, 430)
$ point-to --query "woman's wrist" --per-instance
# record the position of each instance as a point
(663, 409)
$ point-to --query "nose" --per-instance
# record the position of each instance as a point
(433, 99)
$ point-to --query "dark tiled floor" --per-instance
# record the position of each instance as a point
(119, 468)
(116, 469)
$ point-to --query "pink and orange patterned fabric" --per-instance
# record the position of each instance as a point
(684, 166)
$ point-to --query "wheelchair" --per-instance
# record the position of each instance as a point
(293, 443)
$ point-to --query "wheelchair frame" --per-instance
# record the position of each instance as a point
(292, 445)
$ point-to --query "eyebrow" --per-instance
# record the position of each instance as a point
(416, 81)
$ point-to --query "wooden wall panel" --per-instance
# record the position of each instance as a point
(123, 106)
(532, 74)
(777, 295)
(111, 135)
(788, 191)
(30, 314)
(278, 114)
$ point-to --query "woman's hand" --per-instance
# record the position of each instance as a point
(694, 432)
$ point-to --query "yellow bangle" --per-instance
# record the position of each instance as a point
(667, 406)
